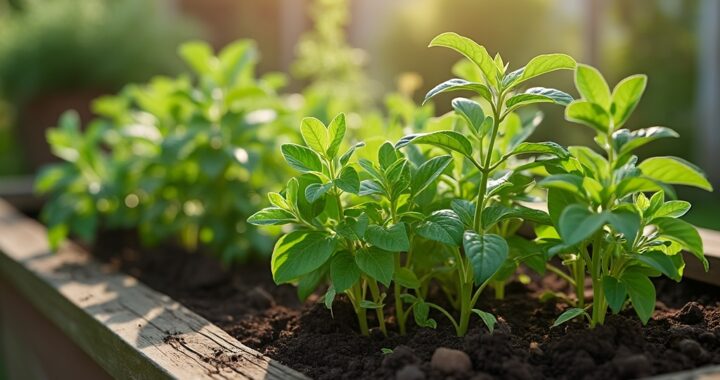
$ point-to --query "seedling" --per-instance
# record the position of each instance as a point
(481, 164)
(605, 223)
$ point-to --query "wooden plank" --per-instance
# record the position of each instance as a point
(18, 191)
(129, 329)
(711, 372)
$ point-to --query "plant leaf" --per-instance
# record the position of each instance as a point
(421, 312)
(626, 96)
(662, 263)
(345, 158)
(406, 278)
(568, 315)
(315, 191)
(301, 158)
(642, 293)
(592, 86)
(539, 95)
(684, 234)
(675, 171)
(472, 51)
(271, 216)
(458, 85)
(376, 263)
(428, 172)
(615, 293)
(577, 223)
(465, 210)
(344, 273)
(487, 254)
(443, 226)
(393, 239)
(336, 131)
(488, 319)
(547, 147)
(546, 63)
(625, 141)
(587, 113)
(349, 180)
(299, 253)
(315, 134)
(443, 139)
(672, 209)
(471, 111)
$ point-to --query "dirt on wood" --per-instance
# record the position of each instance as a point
(683, 334)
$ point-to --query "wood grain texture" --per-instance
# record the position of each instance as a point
(129, 329)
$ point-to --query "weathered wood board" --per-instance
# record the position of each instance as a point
(129, 329)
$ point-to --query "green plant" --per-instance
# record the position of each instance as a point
(177, 158)
(605, 225)
(482, 171)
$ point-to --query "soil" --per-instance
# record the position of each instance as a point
(683, 334)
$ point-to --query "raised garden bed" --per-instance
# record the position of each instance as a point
(133, 331)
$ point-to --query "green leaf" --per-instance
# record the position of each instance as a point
(458, 85)
(590, 159)
(345, 158)
(615, 293)
(443, 226)
(568, 315)
(421, 312)
(684, 234)
(428, 172)
(568, 182)
(315, 134)
(278, 201)
(590, 114)
(450, 140)
(625, 141)
(642, 294)
(57, 234)
(547, 147)
(539, 95)
(349, 180)
(299, 253)
(557, 201)
(310, 282)
(198, 55)
(465, 210)
(672, 209)
(315, 191)
(487, 254)
(577, 223)
(470, 49)
(471, 111)
(626, 96)
(546, 63)
(376, 263)
(498, 212)
(592, 86)
(393, 239)
(329, 297)
(336, 131)
(387, 155)
(301, 158)
(662, 263)
(627, 223)
(674, 171)
(488, 319)
(271, 216)
(406, 278)
(344, 273)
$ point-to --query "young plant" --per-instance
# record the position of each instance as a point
(170, 157)
(482, 172)
(606, 225)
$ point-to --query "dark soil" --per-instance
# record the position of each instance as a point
(683, 334)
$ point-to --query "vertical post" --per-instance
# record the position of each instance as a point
(708, 90)
(293, 20)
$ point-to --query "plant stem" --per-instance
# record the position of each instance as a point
(361, 313)
(580, 281)
(375, 292)
(499, 287)
(399, 312)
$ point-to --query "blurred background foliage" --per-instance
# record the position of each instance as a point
(345, 55)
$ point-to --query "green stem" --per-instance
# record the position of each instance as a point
(399, 311)
(580, 281)
(375, 292)
(356, 298)
(561, 274)
(499, 287)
